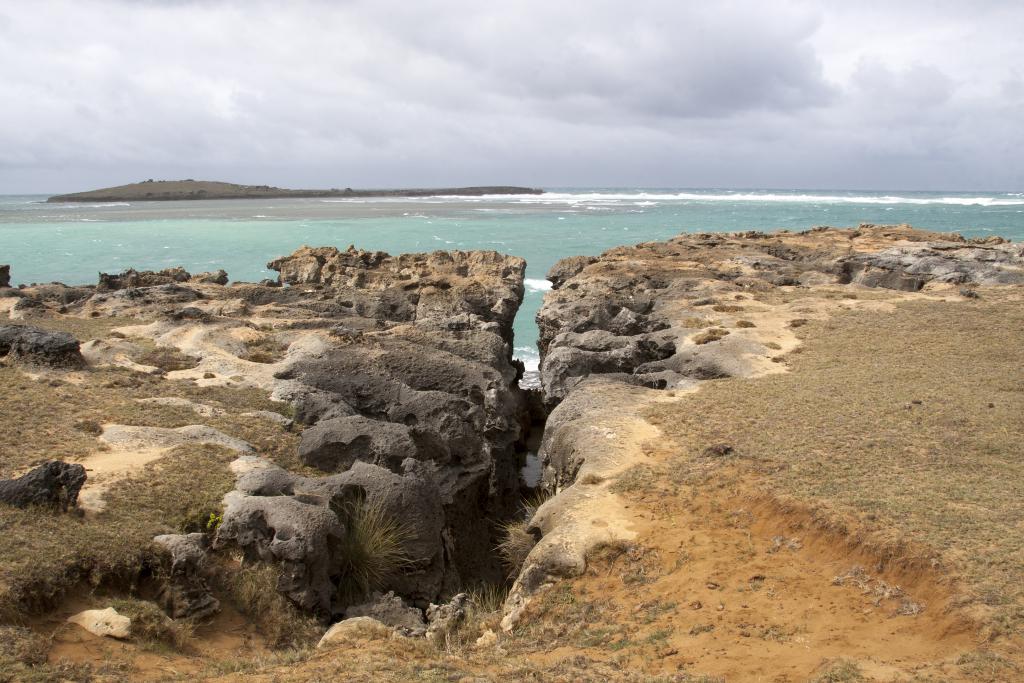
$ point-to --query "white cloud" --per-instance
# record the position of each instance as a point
(395, 93)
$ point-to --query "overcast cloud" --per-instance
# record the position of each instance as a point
(909, 95)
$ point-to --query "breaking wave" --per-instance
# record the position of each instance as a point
(648, 198)
(536, 285)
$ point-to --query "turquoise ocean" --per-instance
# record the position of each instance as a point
(71, 243)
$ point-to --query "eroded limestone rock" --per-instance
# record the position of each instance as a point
(185, 592)
(103, 622)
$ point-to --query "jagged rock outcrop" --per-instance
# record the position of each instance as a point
(132, 278)
(5, 275)
(185, 593)
(41, 347)
(54, 484)
(445, 619)
(401, 369)
(634, 312)
(425, 360)
(910, 267)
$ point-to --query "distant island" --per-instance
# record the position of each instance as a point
(173, 190)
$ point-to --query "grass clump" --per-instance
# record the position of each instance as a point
(517, 539)
(266, 349)
(515, 545)
(21, 647)
(710, 335)
(152, 627)
(374, 548)
(841, 671)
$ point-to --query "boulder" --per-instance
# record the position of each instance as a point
(185, 593)
(5, 276)
(356, 628)
(334, 445)
(298, 533)
(54, 484)
(391, 610)
(103, 622)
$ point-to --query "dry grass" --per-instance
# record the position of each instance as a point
(710, 335)
(152, 627)
(907, 424)
(253, 592)
(166, 358)
(64, 416)
(84, 329)
(374, 549)
(842, 671)
(266, 349)
(516, 543)
(516, 539)
(42, 554)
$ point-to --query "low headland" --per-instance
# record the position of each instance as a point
(178, 190)
(764, 456)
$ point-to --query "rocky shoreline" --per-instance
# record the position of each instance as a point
(403, 398)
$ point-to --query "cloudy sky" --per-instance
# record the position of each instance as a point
(866, 95)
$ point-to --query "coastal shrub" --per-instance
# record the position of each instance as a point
(374, 548)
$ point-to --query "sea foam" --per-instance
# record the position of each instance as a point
(610, 199)
(536, 285)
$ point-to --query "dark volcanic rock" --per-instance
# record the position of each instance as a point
(54, 484)
(5, 276)
(42, 347)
